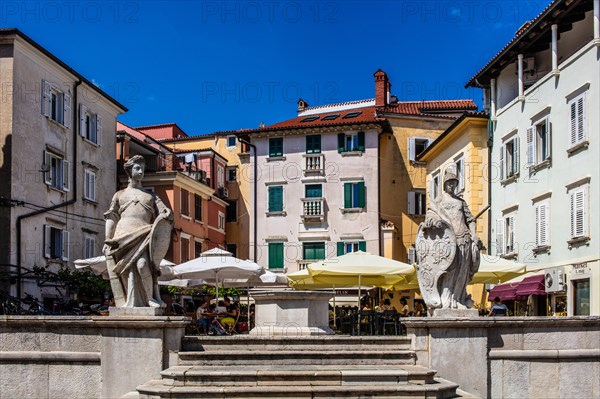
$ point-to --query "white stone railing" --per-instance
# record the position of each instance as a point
(314, 163)
(313, 208)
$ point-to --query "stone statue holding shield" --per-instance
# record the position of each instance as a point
(138, 234)
(447, 250)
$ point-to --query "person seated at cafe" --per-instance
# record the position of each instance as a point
(404, 311)
(202, 316)
(230, 317)
(498, 309)
(420, 309)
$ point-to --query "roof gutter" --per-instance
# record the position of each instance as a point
(73, 200)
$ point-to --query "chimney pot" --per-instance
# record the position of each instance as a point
(382, 88)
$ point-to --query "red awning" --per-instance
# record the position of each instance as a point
(506, 292)
(532, 285)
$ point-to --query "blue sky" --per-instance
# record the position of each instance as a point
(215, 65)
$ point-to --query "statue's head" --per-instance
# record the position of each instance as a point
(450, 181)
(134, 167)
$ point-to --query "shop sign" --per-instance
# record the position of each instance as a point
(580, 268)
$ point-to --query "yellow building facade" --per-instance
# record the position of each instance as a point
(463, 149)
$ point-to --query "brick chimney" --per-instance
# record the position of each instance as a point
(382, 88)
(302, 105)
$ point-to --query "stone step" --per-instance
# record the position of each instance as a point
(296, 375)
(440, 388)
(252, 343)
(280, 357)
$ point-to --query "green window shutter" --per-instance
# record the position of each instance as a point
(341, 142)
(276, 255)
(361, 194)
(320, 250)
(361, 141)
(347, 195)
(275, 199)
(340, 248)
(276, 147)
(313, 191)
(313, 144)
(362, 246)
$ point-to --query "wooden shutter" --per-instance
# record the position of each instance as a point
(276, 199)
(361, 194)
(347, 195)
(548, 139)
(502, 162)
(47, 241)
(47, 168)
(499, 236)
(581, 119)
(578, 213)
(46, 98)
(411, 203)
(66, 177)
(93, 186)
(544, 230)
(66, 110)
(411, 149)
(82, 120)
(341, 142)
(275, 255)
(531, 153)
(98, 130)
(65, 245)
(517, 160)
(362, 246)
(340, 248)
(361, 141)
(510, 234)
(573, 110)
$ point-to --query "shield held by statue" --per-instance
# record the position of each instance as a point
(160, 239)
(436, 249)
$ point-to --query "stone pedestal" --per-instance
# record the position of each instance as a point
(146, 311)
(291, 313)
(456, 313)
(135, 349)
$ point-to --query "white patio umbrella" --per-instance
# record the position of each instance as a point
(98, 266)
(216, 265)
(496, 270)
(184, 283)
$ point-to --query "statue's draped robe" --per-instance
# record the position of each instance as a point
(130, 268)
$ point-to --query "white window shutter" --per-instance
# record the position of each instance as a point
(66, 183)
(46, 98)
(46, 168)
(65, 245)
(82, 119)
(537, 225)
(578, 213)
(499, 236)
(47, 241)
(411, 149)
(548, 139)
(544, 214)
(411, 203)
(531, 153)
(573, 110)
(93, 186)
(510, 234)
(502, 162)
(98, 130)
(581, 119)
(67, 110)
(517, 160)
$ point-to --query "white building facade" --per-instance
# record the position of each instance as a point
(58, 162)
(543, 93)
(317, 186)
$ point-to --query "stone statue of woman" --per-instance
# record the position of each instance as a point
(138, 234)
(447, 250)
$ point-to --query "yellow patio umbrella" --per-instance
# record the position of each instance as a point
(496, 270)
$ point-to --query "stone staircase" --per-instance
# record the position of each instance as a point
(297, 367)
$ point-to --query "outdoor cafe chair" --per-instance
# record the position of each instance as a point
(390, 318)
(347, 324)
(367, 322)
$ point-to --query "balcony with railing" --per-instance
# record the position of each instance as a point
(314, 163)
(313, 210)
(302, 264)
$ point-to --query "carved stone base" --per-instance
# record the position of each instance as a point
(147, 311)
(456, 313)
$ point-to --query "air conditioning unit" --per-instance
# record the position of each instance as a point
(554, 279)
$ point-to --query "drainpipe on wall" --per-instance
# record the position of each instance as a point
(241, 140)
(73, 200)
(490, 142)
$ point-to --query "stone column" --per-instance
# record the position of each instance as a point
(520, 76)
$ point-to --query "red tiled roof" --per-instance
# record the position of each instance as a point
(121, 127)
(367, 115)
(181, 150)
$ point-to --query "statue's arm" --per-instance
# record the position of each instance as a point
(470, 220)
(162, 208)
(111, 217)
